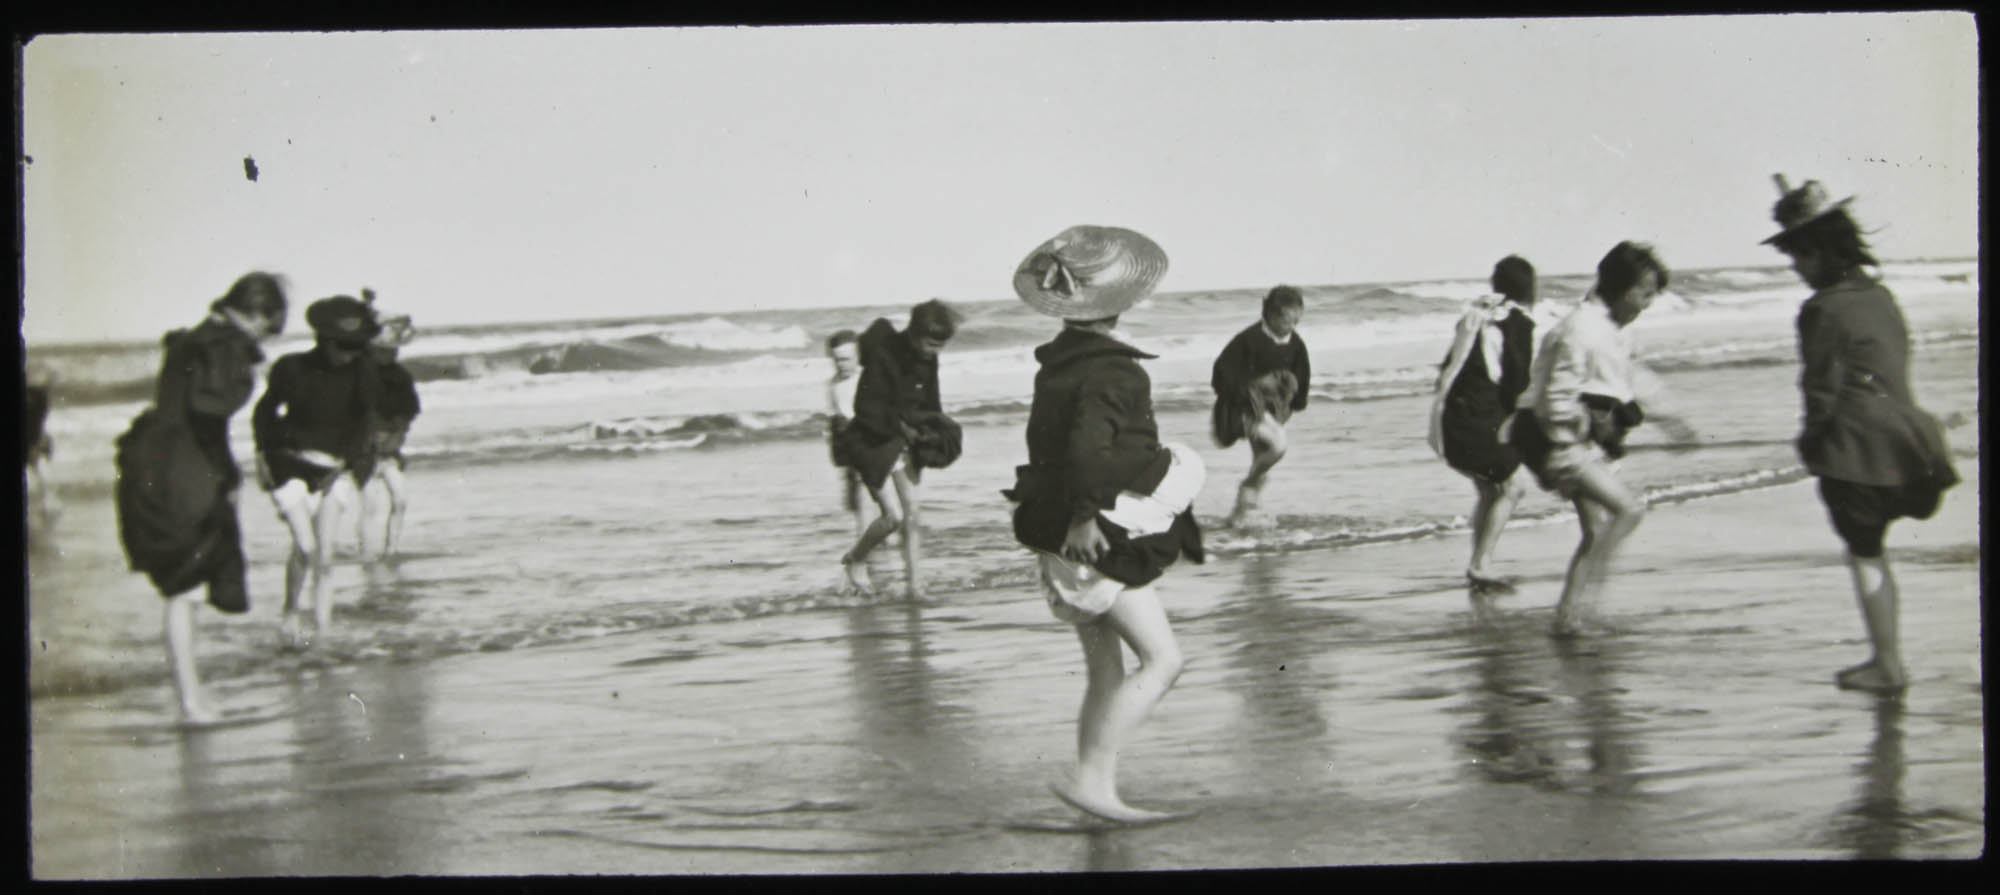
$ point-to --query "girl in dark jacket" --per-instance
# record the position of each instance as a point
(895, 400)
(177, 479)
(1878, 455)
(1105, 506)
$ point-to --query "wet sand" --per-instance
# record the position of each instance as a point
(1340, 707)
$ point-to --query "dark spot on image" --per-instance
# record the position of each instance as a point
(250, 168)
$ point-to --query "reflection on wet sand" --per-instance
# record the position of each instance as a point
(1546, 713)
(1876, 824)
(900, 715)
(1271, 640)
(337, 786)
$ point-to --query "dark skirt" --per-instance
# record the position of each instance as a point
(1041, 524)
(216, 561)
(1472, 440)
(1861, 513)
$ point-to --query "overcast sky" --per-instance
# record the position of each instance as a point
(480, 176)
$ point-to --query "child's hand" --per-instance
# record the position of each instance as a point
(1084, 543)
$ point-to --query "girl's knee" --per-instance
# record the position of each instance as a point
(1629, 517)
(1166, 660)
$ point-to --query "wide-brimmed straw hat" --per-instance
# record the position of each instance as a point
(342, 320)
(1799, 207)
(1090, 273)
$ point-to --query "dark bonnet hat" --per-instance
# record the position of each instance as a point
(342, 320)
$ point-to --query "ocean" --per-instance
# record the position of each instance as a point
(573, 480)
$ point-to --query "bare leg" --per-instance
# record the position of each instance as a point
(855, 563)
(298, 517)
(1489, 518)
(907, 495)
(325, 523)
(1608, 511)
(1875, 589)
(179, 625)
(1115, 702)
(1267, 447)
(853, 496)
(364, 515)
(399, 501)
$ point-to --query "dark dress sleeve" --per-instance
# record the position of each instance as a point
(932, 401)
(1302, 370)
(875, 412)
(1230, 377)
(1093, 466)
(265, 427)
(1820, 372)
(219, 383)
(399, 393)
(1517, 357)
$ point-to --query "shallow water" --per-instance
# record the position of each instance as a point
(1339, 707)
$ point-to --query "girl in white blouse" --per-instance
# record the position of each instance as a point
(1580, 402)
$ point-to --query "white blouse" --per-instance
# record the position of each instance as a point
(1586, 353)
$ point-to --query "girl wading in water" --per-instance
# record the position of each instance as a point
(1479, 385)
(896, 412)
(1104, 505)
(178, 480)
(1878, 455)
(1260, 379)
(1581, 400)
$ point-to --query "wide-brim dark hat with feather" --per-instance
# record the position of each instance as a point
(1799, 207)
(1090, 273)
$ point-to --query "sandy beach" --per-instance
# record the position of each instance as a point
(1340, 707)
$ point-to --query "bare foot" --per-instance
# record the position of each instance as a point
(290, 637)
(1482, 583)
(856, 571)
(1250, 520)
(1872, 677)
(1106, 805)
(1568, 626)
(198, 714)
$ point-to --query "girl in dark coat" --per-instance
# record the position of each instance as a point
(1477, 388)
(896, 398)
(177, 480)
(1105, 506)
(1878, 455)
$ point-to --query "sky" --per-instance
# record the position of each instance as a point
(489, 176)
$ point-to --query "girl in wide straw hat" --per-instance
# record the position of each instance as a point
(1878, 455)
(1104, 505)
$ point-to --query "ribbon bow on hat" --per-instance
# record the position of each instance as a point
(1090, 273)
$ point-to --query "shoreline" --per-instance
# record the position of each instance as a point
(1340, 707)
